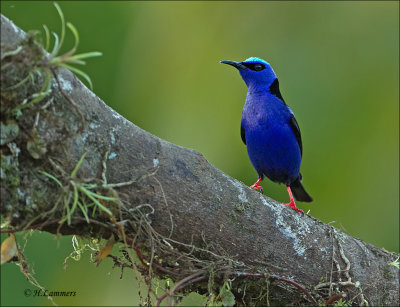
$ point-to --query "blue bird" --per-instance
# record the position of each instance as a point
(270, 130)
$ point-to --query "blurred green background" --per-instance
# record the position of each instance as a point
(338, 67)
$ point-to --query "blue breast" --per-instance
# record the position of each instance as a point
(271, 142)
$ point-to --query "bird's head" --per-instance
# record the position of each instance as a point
(255, 72)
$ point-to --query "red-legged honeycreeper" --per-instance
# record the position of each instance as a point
(270, 130)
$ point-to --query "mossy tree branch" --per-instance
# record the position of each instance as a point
(188, 218)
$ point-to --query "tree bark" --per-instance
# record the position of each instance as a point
(220, 227)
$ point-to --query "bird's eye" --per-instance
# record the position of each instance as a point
(258, 67)
(254, 66)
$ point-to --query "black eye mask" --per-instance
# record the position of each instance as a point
(254, 66)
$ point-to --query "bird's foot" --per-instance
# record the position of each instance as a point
(293, 206)
(256, 185)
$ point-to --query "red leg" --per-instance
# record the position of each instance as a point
(256, 186)
(292, 204)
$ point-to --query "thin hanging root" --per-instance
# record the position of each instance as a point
(25, 270)
(144, 261)
(277, 277)
(104, 166)
(346, 261)
(195, 278)
(301, 288)
(345, 272)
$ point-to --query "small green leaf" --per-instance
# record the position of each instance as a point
(92, 198)
(56, 47)
(84, 212)
(51, 177)
(76, 36)
(101, 196)
(78, 165)
(226, 296)
(19, 83)
(44, 91)
(47, 33)
(68, 215)
(94, 211)
(86, 55)
(60, 12)
(228, 299)
(73, 61)
(395, 263)
(75, 202)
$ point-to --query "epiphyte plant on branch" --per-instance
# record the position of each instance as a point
(69, 57)
(41, 72)
(270, 130)
(76, 194)
(52, 60)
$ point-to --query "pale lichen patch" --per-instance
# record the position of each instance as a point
(19, 32)
(94, 125)
(242, 193)
(155, 162)
(116, 115)
(265, 203)
(66, 85)
(112, 137)
(286, 229)
(84, 136)
(288, 232)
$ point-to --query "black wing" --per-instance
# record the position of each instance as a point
(296, 130)
(274, 90)
(242, 134)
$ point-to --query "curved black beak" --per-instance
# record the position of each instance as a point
(238, 65)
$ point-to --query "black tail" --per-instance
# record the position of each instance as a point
(299, 192)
